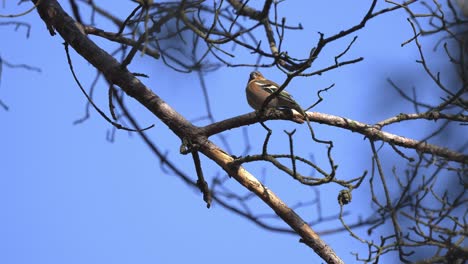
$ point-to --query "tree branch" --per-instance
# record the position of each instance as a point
(57, 19)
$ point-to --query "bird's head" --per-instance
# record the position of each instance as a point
(256, 75)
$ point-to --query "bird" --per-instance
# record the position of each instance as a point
(259, 88)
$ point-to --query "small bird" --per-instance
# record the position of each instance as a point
(259, 88)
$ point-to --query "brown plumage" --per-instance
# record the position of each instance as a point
(259, 88)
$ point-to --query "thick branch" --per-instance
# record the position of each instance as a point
(312, 239)
(369, 131)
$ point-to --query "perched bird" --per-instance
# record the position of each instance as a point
(259, 88)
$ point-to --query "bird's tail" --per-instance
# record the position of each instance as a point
(298, 108)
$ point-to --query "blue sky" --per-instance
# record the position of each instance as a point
(67, 195)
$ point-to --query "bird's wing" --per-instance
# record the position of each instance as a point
(272, 87)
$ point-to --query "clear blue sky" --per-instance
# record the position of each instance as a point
(67, 195)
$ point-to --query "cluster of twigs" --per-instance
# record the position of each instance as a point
(199, 36)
